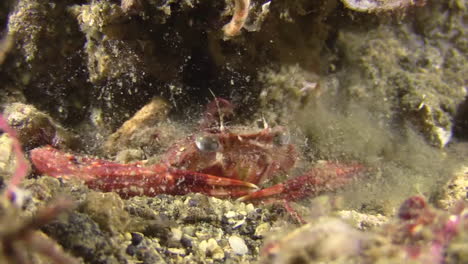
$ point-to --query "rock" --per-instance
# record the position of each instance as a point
(262, 229)
(324, 240)
(107, 209)
(211, 248)
(362, 221)
(375, 6)
(140, 129)
(177, 251)
(79, 234)
(455, 190)
(36, 128)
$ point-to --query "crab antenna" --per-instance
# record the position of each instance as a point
(21, 164)
(220, 113)
(265, 123)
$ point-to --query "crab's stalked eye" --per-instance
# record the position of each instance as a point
(281, 138)
(207, 143)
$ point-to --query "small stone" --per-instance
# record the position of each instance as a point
(203, 246)
(211, 248)
(230, 214)
(189, 230)
(136, 238)
(362, 221)
(225, 203)
(176, 234)
(131, 250)
(193, 202)
(177, 251)
(202, 235)
(187, 241)
(249, 208)
(107, 209)
(255, 215)
(129, 155)
(239, 223)
(262, 229)
(238, 245)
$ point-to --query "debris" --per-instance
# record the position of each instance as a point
(241, 11)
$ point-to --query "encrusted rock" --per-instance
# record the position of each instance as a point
(107, 209)
(455, 190)
(79, 234)
(362, 221)
(141, 129)
(36, 128)
(323, 240)
(371, 6)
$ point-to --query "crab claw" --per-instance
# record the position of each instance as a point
(134, 179)
(151, 181)
(327, 177)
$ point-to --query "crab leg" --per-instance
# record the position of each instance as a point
(328, 177)
(133, 179)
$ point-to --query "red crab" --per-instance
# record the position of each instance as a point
(217, 162)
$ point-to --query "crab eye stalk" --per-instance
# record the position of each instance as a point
(207, 143)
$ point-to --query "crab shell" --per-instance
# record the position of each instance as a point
(251, 157)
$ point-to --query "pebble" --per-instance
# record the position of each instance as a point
(238, 245)
(189, 230)
(249, 207)
(176, 234)
(238, 224)
(262, 229)
(136, 238)
(211, 247)
(230, 214)
(187, 241)
(177, 251)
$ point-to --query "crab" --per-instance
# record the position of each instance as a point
(218, 161)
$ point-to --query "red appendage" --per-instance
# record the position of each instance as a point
(133, 179)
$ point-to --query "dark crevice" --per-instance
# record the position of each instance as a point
(460, 127)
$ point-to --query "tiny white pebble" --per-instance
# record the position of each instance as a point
(238, 245)
(230, 214)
